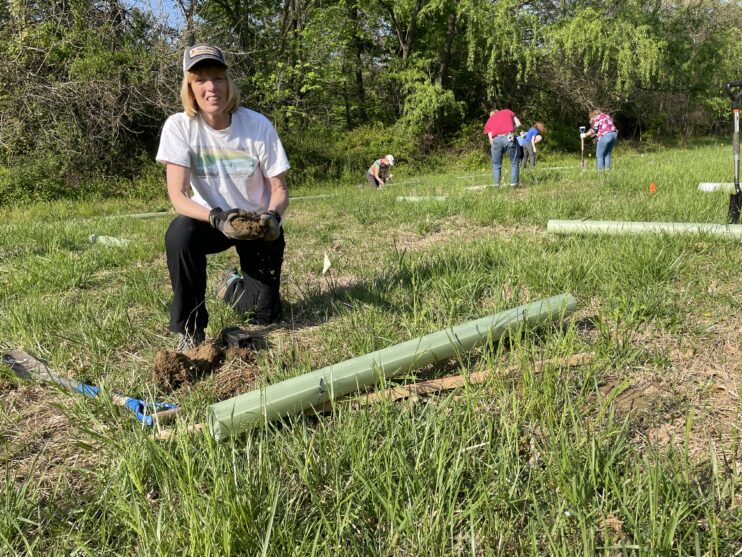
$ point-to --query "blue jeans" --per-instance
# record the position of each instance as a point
(606, 143)
(501, 144)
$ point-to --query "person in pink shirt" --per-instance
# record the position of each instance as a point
(603, 129)
(500, 130)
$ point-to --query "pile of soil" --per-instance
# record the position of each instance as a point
(244, 353)
(171, 370)
(206, 357)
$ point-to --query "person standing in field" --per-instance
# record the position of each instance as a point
(533, 136)
(222, 160)
(377, 173)
(603, 129)
(500, 130)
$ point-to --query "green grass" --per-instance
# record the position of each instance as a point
(551, 463)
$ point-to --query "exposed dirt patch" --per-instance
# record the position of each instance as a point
(206, 357)
(239, 374)
(684, 391)
(242, 353)
(457, 229)
(171, 370)
(233, 371)
(635, 400)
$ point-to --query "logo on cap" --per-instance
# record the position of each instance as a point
(201, 50)
(199, 53)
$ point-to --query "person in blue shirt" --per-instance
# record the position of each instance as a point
(533, 136)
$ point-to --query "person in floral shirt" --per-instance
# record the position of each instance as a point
(603, 129)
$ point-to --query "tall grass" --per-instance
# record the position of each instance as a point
(528, 464)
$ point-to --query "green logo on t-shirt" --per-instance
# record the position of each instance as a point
(215, 162)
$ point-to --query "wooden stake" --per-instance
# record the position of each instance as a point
(165, 434)
(431, 386)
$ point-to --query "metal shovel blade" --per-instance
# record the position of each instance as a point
(735, 207)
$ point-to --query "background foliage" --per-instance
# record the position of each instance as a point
(88, 84)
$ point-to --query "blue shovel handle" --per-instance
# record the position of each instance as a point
(143, 411)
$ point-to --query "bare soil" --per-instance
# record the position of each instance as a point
(172, 370)
(206, 357)
(234, 370)
(238, 375)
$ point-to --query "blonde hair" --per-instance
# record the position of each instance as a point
(190, 106)
(593, 113)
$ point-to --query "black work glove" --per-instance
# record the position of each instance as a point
(271, 223)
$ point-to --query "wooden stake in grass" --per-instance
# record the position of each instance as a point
(432, 386)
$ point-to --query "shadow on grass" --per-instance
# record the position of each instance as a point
(332, 298)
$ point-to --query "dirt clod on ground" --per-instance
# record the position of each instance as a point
(171, 370)
(206, 357)
(246, 354)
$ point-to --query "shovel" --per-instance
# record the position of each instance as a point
(734, 89)
(29, 368)
(582, 149)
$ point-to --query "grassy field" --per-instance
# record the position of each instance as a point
(636, 453)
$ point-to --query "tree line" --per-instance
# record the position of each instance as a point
(88, 83)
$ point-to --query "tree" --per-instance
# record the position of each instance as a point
(82, 86)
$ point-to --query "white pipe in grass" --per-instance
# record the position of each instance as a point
(296, 198)
(625, 228)
(422, 198)
(158, 214)
(716, 186)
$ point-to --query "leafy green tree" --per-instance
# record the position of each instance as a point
(83, 87)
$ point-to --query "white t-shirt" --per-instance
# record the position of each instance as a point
(228, 167)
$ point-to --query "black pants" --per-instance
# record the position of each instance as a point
(187, 243)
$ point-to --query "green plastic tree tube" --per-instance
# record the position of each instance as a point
(625, 228)
(312, 389)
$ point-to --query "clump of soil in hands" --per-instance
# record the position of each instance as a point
(171, 370)
(250, 226)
